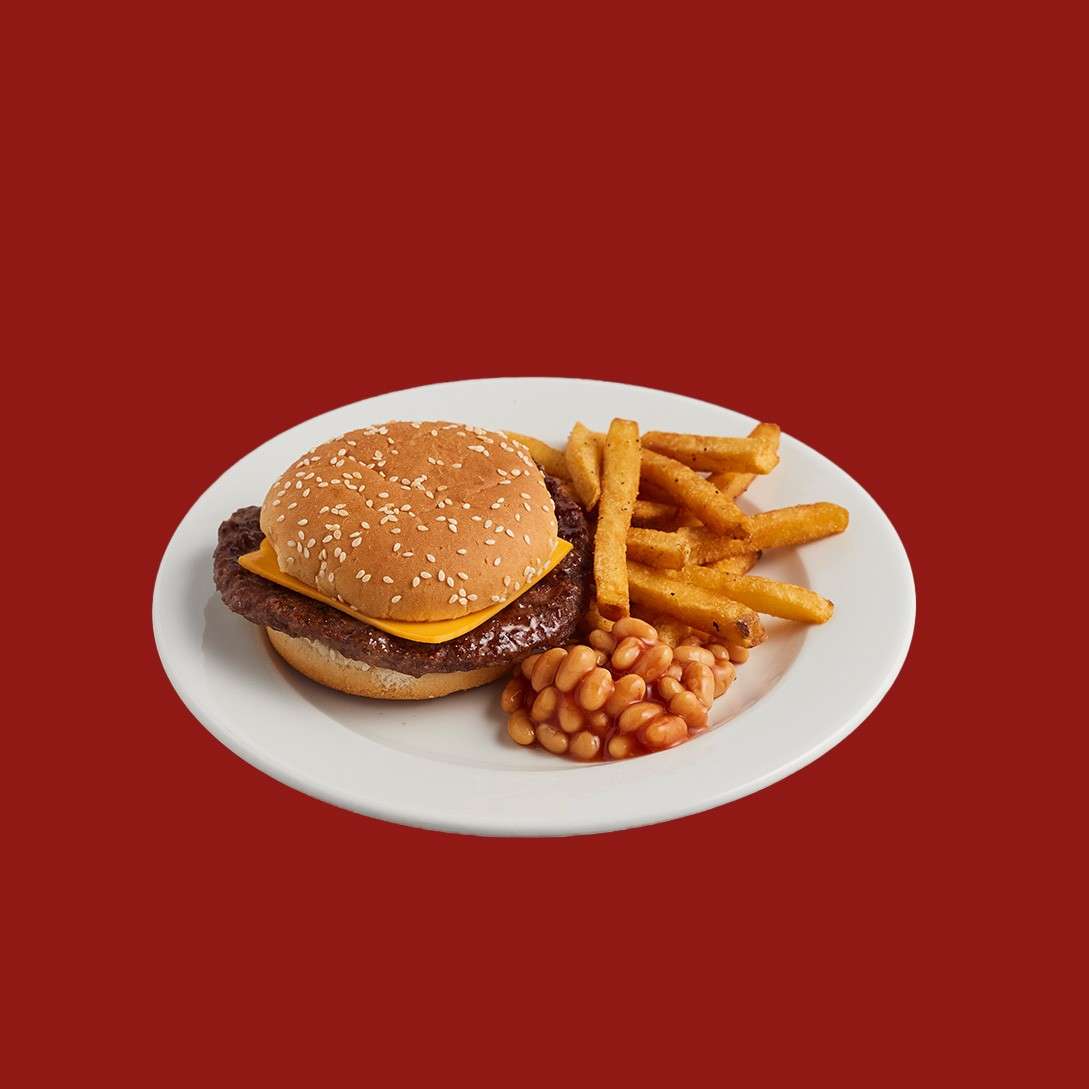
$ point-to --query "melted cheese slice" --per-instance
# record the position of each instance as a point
(263, 562)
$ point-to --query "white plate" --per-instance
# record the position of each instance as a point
(447, 763)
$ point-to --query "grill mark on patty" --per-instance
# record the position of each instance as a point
(545, 615)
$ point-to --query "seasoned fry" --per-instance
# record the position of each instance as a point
(550, 460)
(583, 458)
(772, 529)
(736, 565)
(653, 515)
(688, 489)
(701, 608)
(797, 525)
(620, 483)
(657, 549)
(733, 484)
(594, 619)
(648, 490)
(714, 454)
(764, 595)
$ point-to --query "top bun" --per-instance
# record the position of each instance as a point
(413, 521)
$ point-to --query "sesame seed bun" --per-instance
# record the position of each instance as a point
(479, 522)
(325, 665)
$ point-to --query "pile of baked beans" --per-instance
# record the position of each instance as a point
(633, 688)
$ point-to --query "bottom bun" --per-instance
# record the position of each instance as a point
(323, 664)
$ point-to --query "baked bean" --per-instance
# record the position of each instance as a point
(739, 654)
(520, 728)
(569, 715)
(686, 653)
(528, 665)
(544, 671)
(653, 662)
(594, 689)
(577, 662)
(630, 625)
(630, 688)
(626, 652)
(724, 676)
(700, 681)
(544, 706)
(599, 722)
(585, 746)
(719, 652)
(662, 732)
(602, 640)
(638, 715)
(675, 670)
(691, 640)
(552, 739)
(621, 747)
(687, 705)
(511, 700)
(668, 687)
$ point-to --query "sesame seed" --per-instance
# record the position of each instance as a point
(393, 600)
(453, 598)
(415, 581)
(525, 537)
(449, 581)
(463, 551)
(360, 574)
(425, 574)
(498, 560)
(386, 579)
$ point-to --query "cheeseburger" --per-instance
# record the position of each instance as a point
(409, 560)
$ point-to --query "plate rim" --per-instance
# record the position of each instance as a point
(283, 772)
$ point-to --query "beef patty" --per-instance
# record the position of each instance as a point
(544, 616)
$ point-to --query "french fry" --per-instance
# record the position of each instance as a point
(647, 490)
(550, 460)
(619, 485)
(772, 529)
(706, 546)
(583, 458)
(707, 611)
(657, 549)
(768, 596)
(734, 484)
(653, 515)
(736, 565)
(690, 490)
(594, 619)
(714, 454)
(797, 525)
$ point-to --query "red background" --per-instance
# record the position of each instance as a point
(849, 222)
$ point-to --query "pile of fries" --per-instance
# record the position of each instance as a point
(670, 539)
